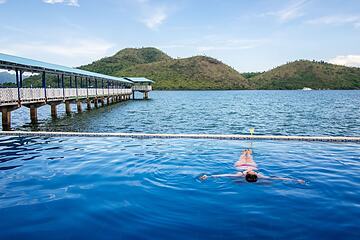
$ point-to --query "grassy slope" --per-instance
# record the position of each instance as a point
(126, 58)
(316, 75)
(189, 73)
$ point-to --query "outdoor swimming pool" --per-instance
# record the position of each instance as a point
(120, 188)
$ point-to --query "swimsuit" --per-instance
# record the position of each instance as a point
(245, 166)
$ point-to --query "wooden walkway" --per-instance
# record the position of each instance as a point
(190, 136)
(73, 86)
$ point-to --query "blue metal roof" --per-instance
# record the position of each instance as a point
(14, 62)
(139, 79)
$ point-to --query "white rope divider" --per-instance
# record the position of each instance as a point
(193, 136)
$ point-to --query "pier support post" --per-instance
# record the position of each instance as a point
(102, 102)
(53, 108)
(33, 110)
(67, 107)
(133, 95)
(79, 106)
(108, 101)
(96, 102)
(6, 116)
(33, 113)
(88, 104)
(146, 95)
(6, 119)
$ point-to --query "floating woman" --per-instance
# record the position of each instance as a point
(247, 168)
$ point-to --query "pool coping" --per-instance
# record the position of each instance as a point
(192, 136)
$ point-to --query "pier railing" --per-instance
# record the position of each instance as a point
(14, 95)
(73, 86)
(145, 88)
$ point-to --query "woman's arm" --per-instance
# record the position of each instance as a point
(239, 174)
(282, 178)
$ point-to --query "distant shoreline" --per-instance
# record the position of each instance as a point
(198, 90)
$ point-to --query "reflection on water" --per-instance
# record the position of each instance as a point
(224, 112)
(77, 188)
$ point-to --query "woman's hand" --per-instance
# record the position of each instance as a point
(301, 181)
(203, 177)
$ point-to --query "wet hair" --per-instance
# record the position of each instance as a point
(250, 177)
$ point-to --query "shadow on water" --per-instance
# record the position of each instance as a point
(75, 121)
(9, 167)
(15, 150)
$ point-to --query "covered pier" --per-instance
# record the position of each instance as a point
(142, 85)
(59, 84)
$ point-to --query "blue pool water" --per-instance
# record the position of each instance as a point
(112, 188)
(122, 188)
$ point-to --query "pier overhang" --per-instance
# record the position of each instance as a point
(15, 63)
(141, 84)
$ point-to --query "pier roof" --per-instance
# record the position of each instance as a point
(139, 79)
(11, 62)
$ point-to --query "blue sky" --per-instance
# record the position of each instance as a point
(249, 35)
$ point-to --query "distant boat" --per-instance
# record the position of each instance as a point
(306, 89)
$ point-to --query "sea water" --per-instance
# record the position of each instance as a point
(224, 112)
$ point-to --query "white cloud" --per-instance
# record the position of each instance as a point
(294, 10)
(336, 20)
(27, 74)
(2, 1)
(156, 19)
(153, 15)
(74, 3)
(347, 60)
(71, 53)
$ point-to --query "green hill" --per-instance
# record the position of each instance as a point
(192, 73)
(311, 74)
(202, 72)
(126, 58)
(6, 77)
(188, 73)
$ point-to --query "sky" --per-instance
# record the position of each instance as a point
(248, 35)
